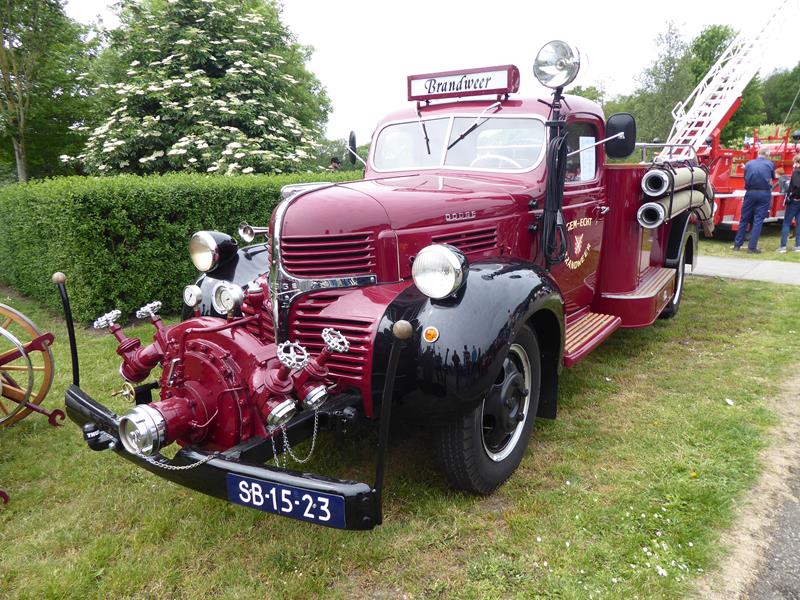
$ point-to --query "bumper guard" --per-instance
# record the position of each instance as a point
(362, 510)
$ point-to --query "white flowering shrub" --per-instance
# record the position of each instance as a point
(211, 86)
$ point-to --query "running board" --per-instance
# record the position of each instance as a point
(586, 333)
(641, 306)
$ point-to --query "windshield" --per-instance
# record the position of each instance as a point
(489, 143)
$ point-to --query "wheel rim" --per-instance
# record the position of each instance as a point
(14, 374)
(505, 409)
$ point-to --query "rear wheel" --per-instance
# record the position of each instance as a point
(479, 450)
(671, 309)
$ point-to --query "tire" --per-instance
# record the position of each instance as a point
(479, 450)
(671, 309)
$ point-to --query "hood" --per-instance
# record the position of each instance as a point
(404, 202)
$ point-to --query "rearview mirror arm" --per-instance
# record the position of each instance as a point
(620, 135)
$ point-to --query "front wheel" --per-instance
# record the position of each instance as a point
(479, 450)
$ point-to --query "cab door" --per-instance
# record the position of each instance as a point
(584, 207)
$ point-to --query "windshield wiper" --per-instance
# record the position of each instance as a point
(424, 132)
(497, 106)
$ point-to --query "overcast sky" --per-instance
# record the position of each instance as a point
(364, 49)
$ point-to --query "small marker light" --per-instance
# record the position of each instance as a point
(430, 334)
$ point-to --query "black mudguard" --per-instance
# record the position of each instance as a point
(245, 266)
(476, 328)
(684, 227)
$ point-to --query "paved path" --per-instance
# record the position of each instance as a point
(779, 576)
(774, 271)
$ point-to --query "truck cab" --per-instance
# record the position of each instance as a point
(489, 245)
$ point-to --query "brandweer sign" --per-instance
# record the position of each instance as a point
(464, 83)
(473, 82)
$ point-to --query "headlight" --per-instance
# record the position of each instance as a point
(439, 270)
(142, 430)
(227, 297)
(210, 249)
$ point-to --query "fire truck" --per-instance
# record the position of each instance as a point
(489, 245)
(700, 119)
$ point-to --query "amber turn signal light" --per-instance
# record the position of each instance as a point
(430, 334)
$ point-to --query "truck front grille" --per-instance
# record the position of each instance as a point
(306, 328)
(318, 257)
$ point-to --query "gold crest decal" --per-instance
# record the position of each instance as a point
(579, 252)
(578, 243)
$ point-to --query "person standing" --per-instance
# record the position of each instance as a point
(791, 208)
(759, 178)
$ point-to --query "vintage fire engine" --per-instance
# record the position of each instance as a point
(488, 245)
(726, 171)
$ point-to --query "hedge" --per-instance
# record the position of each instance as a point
(123, 241)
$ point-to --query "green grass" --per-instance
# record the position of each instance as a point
(641, 471)
(770, 239)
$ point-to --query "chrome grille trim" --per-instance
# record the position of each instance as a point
(286, 288)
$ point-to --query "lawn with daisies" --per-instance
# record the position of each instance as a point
(624, 495)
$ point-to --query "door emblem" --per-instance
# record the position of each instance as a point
(578, 252)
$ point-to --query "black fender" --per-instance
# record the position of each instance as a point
(476, 327)
(684, 227)
(248, 263)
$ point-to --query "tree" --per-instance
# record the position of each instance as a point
(781, 97)
(41, 54)
(591, 92)
(663, 84)
(216, 86)
(672, 77)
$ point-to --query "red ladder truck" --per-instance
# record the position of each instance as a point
(700, 118)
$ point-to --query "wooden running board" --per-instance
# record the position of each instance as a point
(586, 333)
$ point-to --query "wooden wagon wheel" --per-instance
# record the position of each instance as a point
(25, 374)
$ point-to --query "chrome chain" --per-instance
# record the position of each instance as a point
(168, 467)
(287, 448)
(275, 456)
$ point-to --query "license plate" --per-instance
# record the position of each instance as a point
(287, 500)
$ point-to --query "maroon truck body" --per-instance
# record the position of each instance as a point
(454, 191)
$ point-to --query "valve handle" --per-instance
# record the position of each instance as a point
(107, 320)
(128, 392)
(149, 310)
(335, 340)
(292, 355)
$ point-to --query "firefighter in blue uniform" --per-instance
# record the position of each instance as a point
(759, 178)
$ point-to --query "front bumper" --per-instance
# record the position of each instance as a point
(362, 510)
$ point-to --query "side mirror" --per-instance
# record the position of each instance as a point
(622, 146)
(351, 147)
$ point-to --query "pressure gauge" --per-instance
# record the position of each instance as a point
(192, 295)
(227, 297)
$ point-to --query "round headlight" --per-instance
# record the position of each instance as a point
(439, 270)
(227, 297)
(192, 295)
(142, 430)
(209, 249)
(557, 64)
